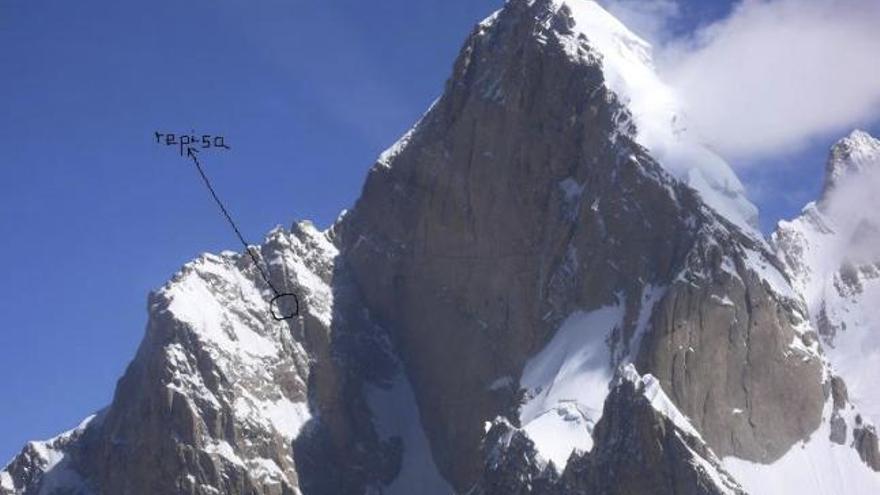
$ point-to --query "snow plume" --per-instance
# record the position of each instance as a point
(854, 207)
(630, 73)
(775, 73)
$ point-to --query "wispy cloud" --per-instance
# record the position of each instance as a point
(771, 75)
(854, 205)
(776, 73)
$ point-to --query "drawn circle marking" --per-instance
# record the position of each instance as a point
(286, 304)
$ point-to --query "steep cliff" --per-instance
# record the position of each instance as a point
(523, 197)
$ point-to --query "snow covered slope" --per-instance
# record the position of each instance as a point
(567, 383)
(817, 466)
(832, 252)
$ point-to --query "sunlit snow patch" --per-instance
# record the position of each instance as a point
(6, 481)
(567, 382)
(816, 466)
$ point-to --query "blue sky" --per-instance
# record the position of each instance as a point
(95, 215)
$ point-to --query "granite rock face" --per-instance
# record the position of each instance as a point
(522, 196)
(505, 211)
(735, 353)
(865, 443)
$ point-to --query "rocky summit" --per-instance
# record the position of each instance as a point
(531, 296)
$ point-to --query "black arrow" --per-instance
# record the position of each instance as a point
(279, 296)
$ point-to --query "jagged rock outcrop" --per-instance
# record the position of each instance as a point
(839, 402)
(49, 467)
(512, 465)
(853, 156)
(222, 398)
(643, 445)
(865, 443)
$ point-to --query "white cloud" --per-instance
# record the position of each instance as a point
(776, 73)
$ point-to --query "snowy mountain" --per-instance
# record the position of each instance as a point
(832, 253)
(547, 286)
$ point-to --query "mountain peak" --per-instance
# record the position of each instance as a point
(657, 112)
(856, 137)
(851, 155)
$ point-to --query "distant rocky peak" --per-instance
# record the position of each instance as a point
(832, 254)
(843, 226)
(855, 154)
(849, 198)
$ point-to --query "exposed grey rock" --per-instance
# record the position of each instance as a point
(838, 429)
(826, 327)
(49, 467)
(865, 443)
(512, 465)
(839, 395)
(745, 355)
(470, 250)
(161, 435)
(521, 196)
